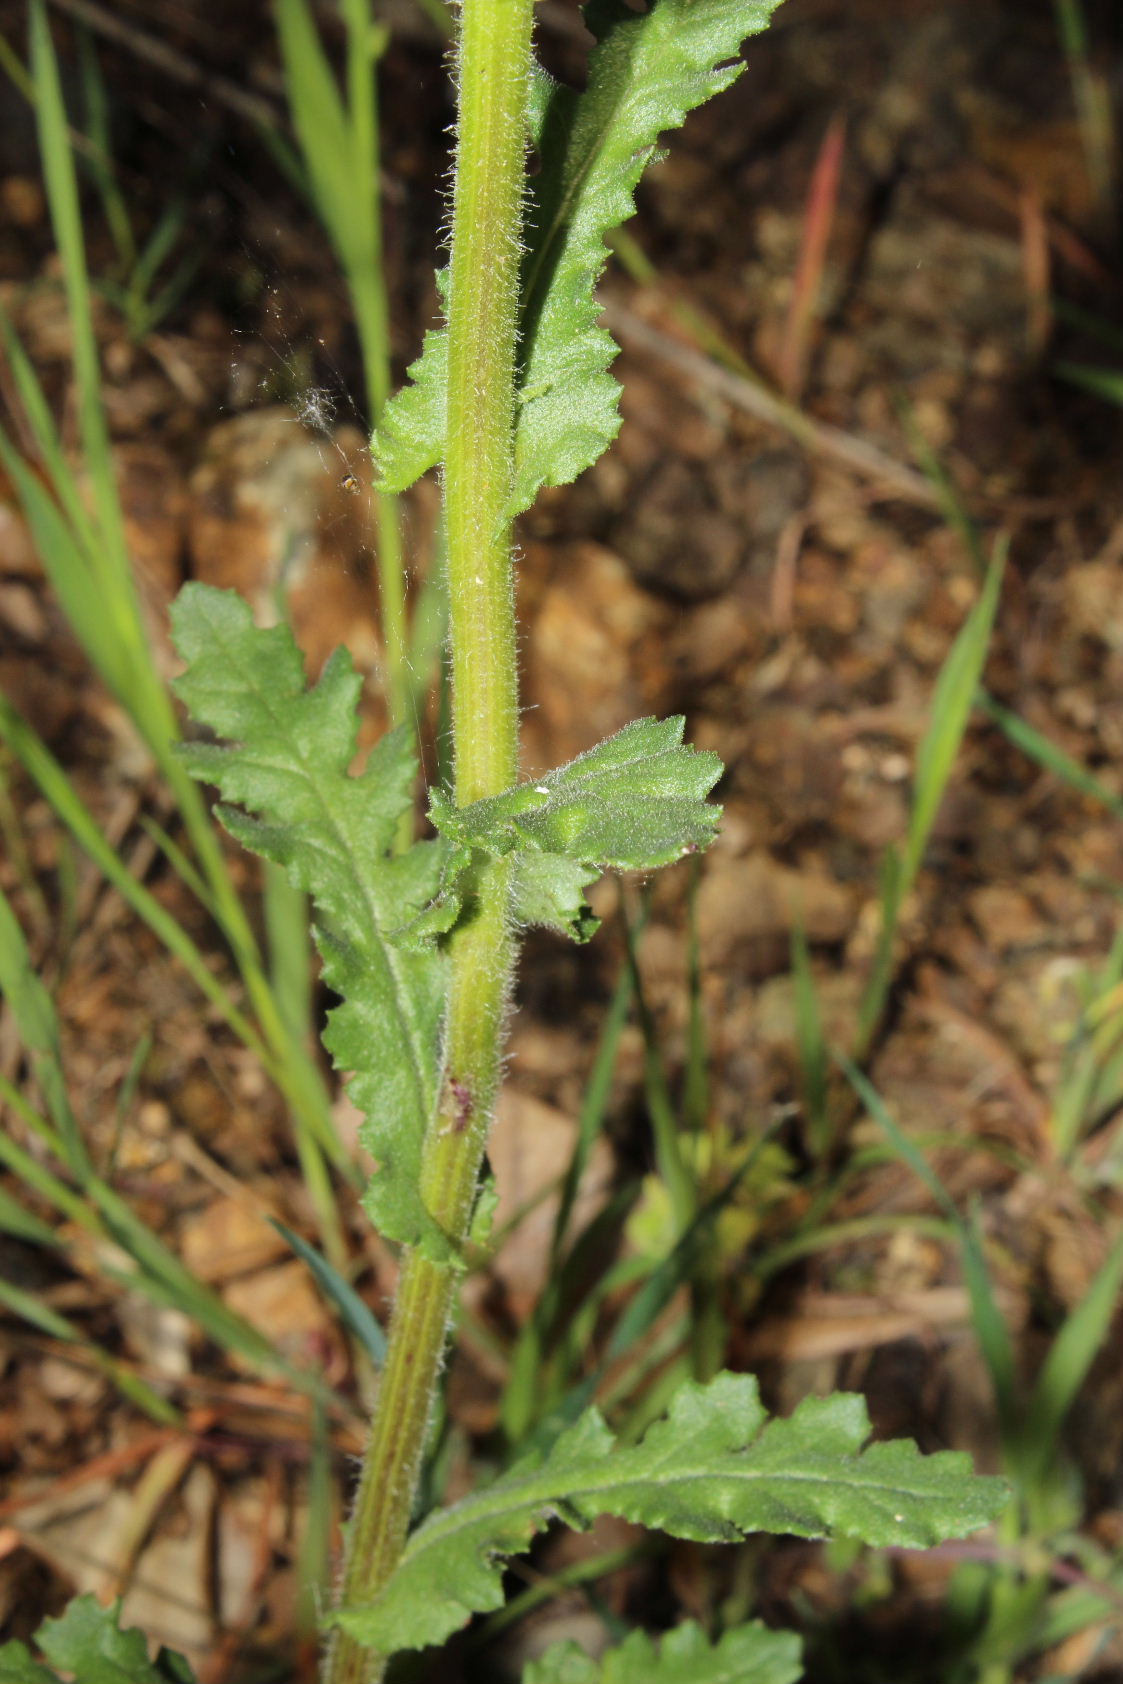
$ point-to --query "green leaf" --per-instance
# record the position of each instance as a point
(749, 1654)
(15, 1220)
(320, 120)
(1047, 753)
(87, 1641)
(713, 1470)
(632, 803)
(645, 74)
(18, 1667)
(550, 889)
(37, 1023)
(1070, 1357)
(288, 762)
(410, 436)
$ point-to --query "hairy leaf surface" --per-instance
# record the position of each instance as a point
(712, 1470)
(287, 762)
(645, 74)
(634, 802)
(749, 1654)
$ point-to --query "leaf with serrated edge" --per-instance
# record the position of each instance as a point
(712, 1470)
(410, 437)
(88, 1642)
(550, 890)
(287, 761)
(748, 1654)
(646, 73)
(634, 802)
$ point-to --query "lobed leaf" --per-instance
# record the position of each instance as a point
(287, 761)
(645, 74)
(86, 1640)
(748, 1654)
(713, 1470)
(634, 802)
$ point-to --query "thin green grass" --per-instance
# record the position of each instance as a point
(339, 142)
(814, 1055)
(81, 540)
(1106, 383)
(1018, 1614)
(1091, 1081)
(29, 1307)
(950, 711)
(546, 1349)
(131, 286)
(666, 1130)
(1092, 98)
(79, 1191)
(1047, 754)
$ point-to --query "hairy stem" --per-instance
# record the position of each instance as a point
(494, 65)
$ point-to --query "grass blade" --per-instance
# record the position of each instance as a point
(36, 1020)
(939, 748)
(42, 767)
(66, 219)
(1048, 754)
(354, 1314)
(1070, 1357)
(811, 1041)
(991, 1330)
(31, 1308)
(951, 709)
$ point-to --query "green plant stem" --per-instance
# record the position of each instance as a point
(494, 66)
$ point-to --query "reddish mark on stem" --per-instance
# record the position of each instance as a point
(464, 1105)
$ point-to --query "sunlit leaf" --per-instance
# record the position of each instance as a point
(714, 1470)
